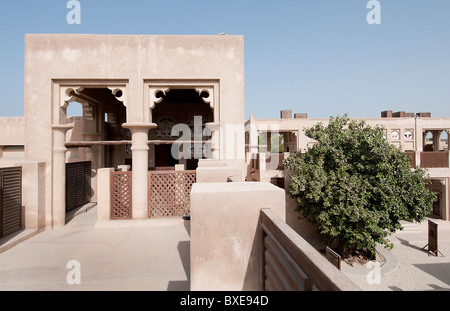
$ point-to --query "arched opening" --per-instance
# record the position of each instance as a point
(187, 110)
(428, 142)
(435, 140)
(74, 114)
(97, 115)
(75, 109)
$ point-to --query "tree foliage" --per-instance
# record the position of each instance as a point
(356, 186)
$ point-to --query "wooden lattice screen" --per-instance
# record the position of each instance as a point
(10, 200)
(78, 185)
(121, 202)
(170, 193)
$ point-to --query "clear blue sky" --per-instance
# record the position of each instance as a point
(315, 56)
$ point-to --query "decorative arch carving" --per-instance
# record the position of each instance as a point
(208, 91)
(207, 100)
(69, 94)
(154, 99)
(120, 94)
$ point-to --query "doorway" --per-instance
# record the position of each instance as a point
(163, 156)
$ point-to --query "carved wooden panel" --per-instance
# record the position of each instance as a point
(170, 192)
(121, 195)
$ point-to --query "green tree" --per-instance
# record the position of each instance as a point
(356, 186)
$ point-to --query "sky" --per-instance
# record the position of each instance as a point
(320, 57)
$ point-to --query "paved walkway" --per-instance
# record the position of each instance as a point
(154, 256)
(148, 256)
(408, 267)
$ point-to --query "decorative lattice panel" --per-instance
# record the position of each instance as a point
(121, 207)
(170, 193)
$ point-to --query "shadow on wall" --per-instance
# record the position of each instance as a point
(304, 228)
(252, 280)
(308, 231)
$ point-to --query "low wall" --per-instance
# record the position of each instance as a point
(225, 234)
(104, 194)
(292, 264)
(33, 194)
(218, 171)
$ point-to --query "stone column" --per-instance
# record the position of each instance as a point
(59, 175)
(262, 161)
(424, 139)
(437, 140)
(93, 155)
(139, 149)
(252, 141)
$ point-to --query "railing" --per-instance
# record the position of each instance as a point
(162, 168)
(289, 263)
(437, 159)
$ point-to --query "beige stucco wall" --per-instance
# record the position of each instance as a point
(11, 134)
(75, 134)
(416, 125)
(53, 61)
(12, 131)
(225, 233)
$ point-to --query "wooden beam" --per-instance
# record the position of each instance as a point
(80, 144)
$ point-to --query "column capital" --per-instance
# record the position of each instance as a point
(139, 135)
(139, 126)
(63, 128)
(69, 94)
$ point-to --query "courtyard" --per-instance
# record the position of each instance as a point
(153, 255)
(408, 267)
(147, 256)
